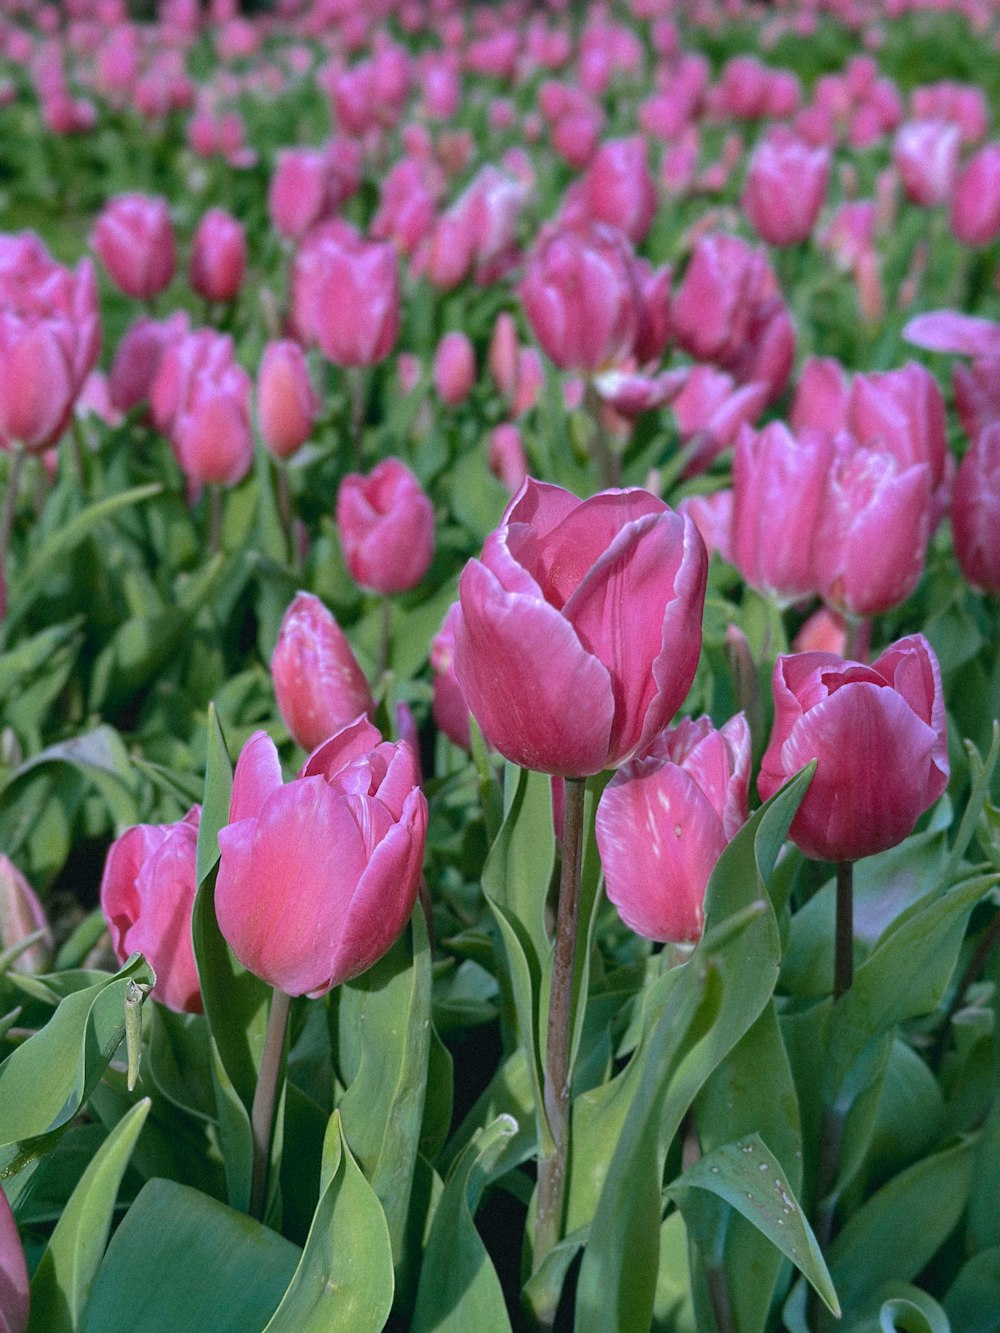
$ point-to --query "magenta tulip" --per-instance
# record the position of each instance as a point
(926, 156)
(201, 401)
(147, 896)
(318, 683)
(318, 876)
(665, 819)
(355, 306)
(286, 401)
(454, 367)
(785, 189)
(581, 627)
(451, 712)
(14, 1287)
(22, 915)
(618, 188)
(134, 239)
(218, 256)
(386, 527)
(975, 511)
(975, 205)
(879, 737)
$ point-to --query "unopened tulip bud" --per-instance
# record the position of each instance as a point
(21, 916)
(286, 401)
(454, 368)
(975, 511)
(135, 240)
(386, 527)
(508, 461)
(218, 256)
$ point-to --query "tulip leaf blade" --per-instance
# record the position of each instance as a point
(748, 1177)
(459, 1288)
(215, 800)
(45, 1082)
(344, 1278)
(209, 1268)
(101, 756)
(60, 1286)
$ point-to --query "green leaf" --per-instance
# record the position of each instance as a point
(344, 1278)
(385, 1013)
(983, 1225)
(459, 1288)
(916, 1313)
(215, 801)
(58, 546)
(62, 1281)
(100, 755)
(749, 1177)
(181, 1260)
(974, 1297)
(45, 1082)
(896, 1232)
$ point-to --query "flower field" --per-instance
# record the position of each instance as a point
(499, 666)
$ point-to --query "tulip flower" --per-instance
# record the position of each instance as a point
(137, 358)
(508, 461)
(14, 1287)
(22, 915)
(665, 819)
(134, 239)
(318, 876)
(879, 737)
(618, 188)
(926, 156)
(147, 896)
(975, 511)
(451, 712)
(581, 627)
(454, 367)
(318, 683)
(785, 188)
(218, 256)
(286, 401)
(386, 527)
(975, 204)
(355, 305)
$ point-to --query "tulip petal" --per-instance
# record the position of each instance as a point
(659, 839)
(353, 742)
(950, 331)
(258, 774)
(281, 897)
(571, 550)
(540, 698)
(869, 786)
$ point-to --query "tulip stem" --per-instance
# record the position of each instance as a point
(607, 461)
(384, 637)
(843, 961)
(214, 518)
(285, 513)
(10, 501)
(265, 1098)
(552, 1166)
(854, 638)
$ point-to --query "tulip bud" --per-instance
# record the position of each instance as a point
(14, 1287)
(286, 402)
(147, 896)
(22, 915)
(356, 307)
(451, 712)
(618, 188)
(502, 357)
(664, 820)
(454, 368)
(317, 877)
(879, 737)
(975, 511)
(386, 526)
(137, 358)
(975, 205)
(134, 239)
(318, 683)
(785, 188)
(508, 461)
(926, 156)
(218, 256)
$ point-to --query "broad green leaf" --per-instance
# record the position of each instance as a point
(344, 1278)
(749, 1177)
(179, 1060)
(45, 1082)
(21, 663)
(983, 1223)
(62, 1281)
(459, 1289)
(100, 755)
(974, 1297)
(914, 1313)
(385, 1013)
(215, 801)
(509, 1092)
(181, 1260)
(896, 1232)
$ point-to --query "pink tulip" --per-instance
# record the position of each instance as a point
(822, 396)
(386, 527)
(776, 472)
(975, 204)
(618, 188)
(508, 461)
(581, 627)
(21, 915)
(664, 820)
(879, 736)
(871, 503)
(137, 358)
(653, 329)
(580, 298)
(319, 876)
(134, 239)
(502, 357)
(318, 683)
(903, 412)
(308, 185)
(926, 156)
(36, 388)
(712, 515)
(977, 394)
(355, 309)
(14, 1287)
(710, 410)
(218, 256)
(951, 331)
(147, 896)
(201, 401)
(785, 188)
(975, 511)
(454, 368)
(451, 712)
(286, 401)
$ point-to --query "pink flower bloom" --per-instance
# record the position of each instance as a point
(508, 461)
(201, 401)
(975, 204)
(454, 367)
(618, 188)
(318, 876)
(451, 712)
(218, 256)
(664, 820)
(785, 188)
(286, 401)
(22, 915)
(137, 358)
(926, 156)
(581, 627)
(134, 239)
(975, 511)
(318, 683)
(386, 527)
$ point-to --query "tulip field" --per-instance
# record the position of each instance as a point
(499, 666)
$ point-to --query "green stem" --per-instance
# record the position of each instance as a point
(843, 962)
(607, 461)
(853, 638)
(552, 1166)
(265, 1098)
(385, 637)
(10, 501)
(285, 511)
(214, 518)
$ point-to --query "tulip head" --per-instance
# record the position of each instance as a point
(386, 526)
(286, 401)
(134, 238)
(218, 256)
(975, 511)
